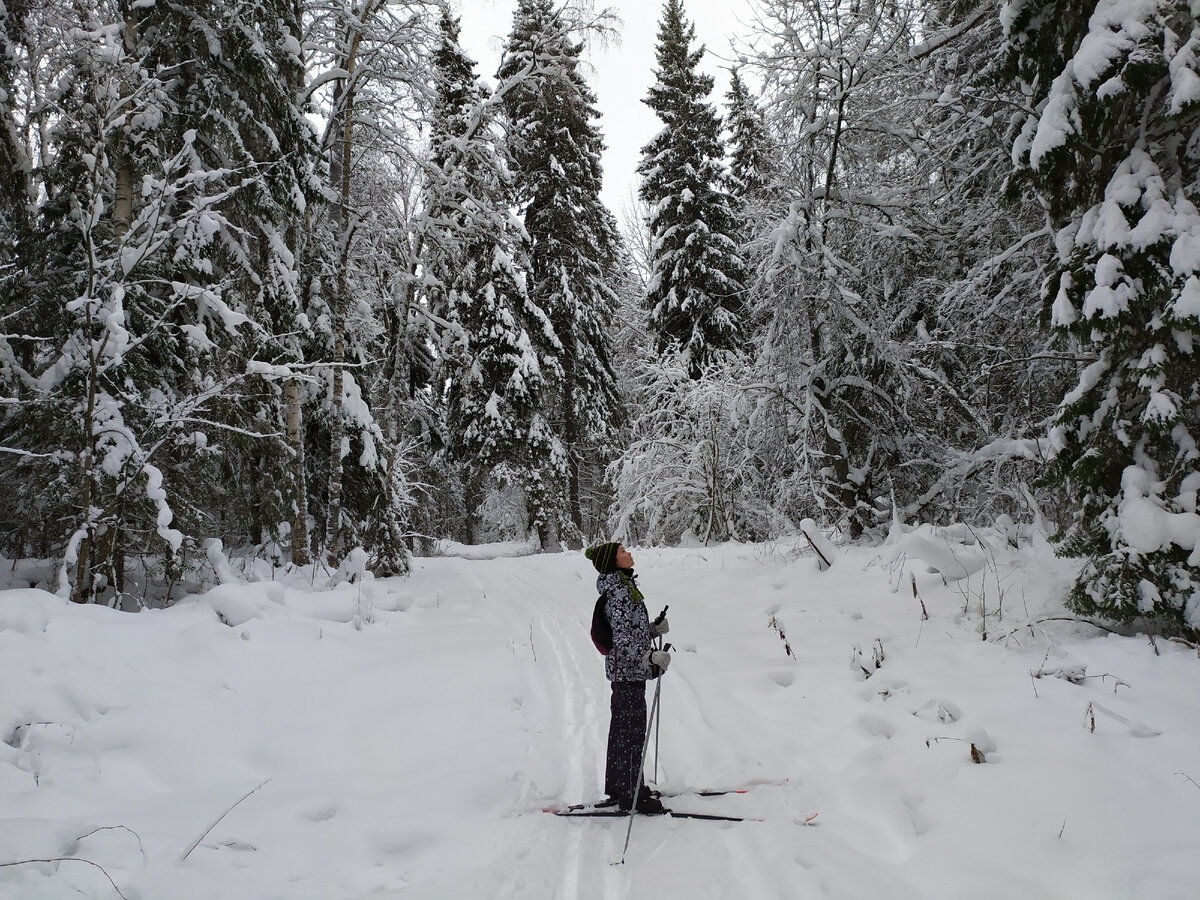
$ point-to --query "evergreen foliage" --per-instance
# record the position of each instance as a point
(1113, 148)
(160, 282)
(476, 254)
(696, 294)
(749, 160)
(14, 163)
(574, 250)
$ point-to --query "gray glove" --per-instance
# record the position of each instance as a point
(660, 626)
(660, 658)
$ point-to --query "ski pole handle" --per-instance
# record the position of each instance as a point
(662, 615)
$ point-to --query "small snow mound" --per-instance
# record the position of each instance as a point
(23, 573)
(497, 550)
(27, 610)
(938, 710)
(953, 552)
(981, 739)
(237, 604)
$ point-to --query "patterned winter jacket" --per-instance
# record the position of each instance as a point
(630, 627)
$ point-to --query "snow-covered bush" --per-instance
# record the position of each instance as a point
(689, 469)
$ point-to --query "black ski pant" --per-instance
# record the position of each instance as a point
(626, 738)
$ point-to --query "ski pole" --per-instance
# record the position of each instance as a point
(658, 720)
(657, 723)
(645, 746)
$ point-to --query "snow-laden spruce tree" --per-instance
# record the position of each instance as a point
(748, 144)
(556, 146)
(240, 90)
(500, 343)
(697, 289)
(1113, 149)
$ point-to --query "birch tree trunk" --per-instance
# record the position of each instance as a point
(295, 439)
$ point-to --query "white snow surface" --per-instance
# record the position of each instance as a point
(409, 753)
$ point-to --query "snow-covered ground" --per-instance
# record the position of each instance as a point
(399, 738)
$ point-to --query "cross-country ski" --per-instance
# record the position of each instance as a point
(612, 813)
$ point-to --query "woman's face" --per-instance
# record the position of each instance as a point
(624, 558)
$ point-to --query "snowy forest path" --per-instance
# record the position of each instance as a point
(564, 676)
(398, 738)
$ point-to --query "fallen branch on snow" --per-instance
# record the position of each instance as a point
(977, 755)
(58, 859)
(217, 822)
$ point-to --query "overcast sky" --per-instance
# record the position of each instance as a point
(621, 74)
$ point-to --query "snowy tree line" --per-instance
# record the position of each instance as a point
(968, 243)
(285, 276)
(289, 278)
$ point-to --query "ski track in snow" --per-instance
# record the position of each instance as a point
(558, 682)
(585, 851)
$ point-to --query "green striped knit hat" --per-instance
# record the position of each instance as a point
(603, 556)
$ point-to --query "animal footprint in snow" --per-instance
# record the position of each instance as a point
(323, 813)
(783, 677)
(874, 725)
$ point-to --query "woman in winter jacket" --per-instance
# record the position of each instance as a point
(630, 663)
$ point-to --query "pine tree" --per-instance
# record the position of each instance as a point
(1114, 151)
(239, 95)
(696, 293)
(556, 145)
(475, 254)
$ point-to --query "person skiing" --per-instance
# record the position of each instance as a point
(630, 663)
